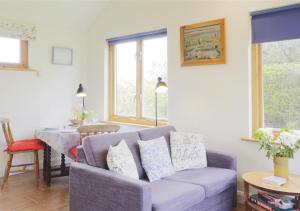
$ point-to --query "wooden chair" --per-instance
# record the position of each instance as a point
(87, 130)
(20, 146)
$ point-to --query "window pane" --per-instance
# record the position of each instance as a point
(154, 66)
(9, 50)
(125, 61)
(281, 73)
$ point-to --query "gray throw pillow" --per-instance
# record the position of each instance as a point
(156, 158)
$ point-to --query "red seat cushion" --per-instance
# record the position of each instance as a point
(25, 145)
(73, 151)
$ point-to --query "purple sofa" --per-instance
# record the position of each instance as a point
(94, 188)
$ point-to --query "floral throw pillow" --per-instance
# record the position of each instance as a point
(187, 151)
(156, 158)
(120, 160)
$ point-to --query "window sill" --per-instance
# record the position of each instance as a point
(136, 122)
(249, 139)
(127, 123)
(18, 69)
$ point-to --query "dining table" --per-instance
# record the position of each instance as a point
(60, 140)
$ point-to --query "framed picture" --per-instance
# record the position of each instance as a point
(62, 56)
(203, 43)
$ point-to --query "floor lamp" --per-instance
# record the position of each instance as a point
(81, 93)
(161, 87)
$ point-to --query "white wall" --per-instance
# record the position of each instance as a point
(210, 99)
(33, 101)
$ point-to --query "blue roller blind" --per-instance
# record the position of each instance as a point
(138, 36)
(282, 23)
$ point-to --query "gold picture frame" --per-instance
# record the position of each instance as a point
(203, 43)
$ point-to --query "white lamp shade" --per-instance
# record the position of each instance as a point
(161, 89)
(81, 95)
(161, 86)
(80, 91)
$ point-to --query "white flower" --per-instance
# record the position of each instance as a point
(277, 141)
(296, 133)
(288, 139)
(267, 131)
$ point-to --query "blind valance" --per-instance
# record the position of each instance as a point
(282, 23)
(138, 36)
(12, 29)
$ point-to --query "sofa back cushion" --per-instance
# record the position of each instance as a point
(153, 133)
(96, 148)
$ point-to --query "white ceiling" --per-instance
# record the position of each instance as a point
(78, 14)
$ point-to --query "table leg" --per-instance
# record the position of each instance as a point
(48, 166)
(44, 162)
(63, 165)
(298, 203)
(246, 195)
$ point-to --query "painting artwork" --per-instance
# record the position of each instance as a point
(62, 56)
(203, 43)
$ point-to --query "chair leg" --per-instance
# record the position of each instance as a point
(36, 165)
(7, 169)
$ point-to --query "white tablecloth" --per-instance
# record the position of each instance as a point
(61, 140)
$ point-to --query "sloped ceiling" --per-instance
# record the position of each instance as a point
(72, 14)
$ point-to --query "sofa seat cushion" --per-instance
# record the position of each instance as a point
(213, 180)
(168, 195)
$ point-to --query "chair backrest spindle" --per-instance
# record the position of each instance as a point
(87, 130)
(7, 131)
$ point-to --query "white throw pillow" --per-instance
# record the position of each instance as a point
(156, 158)
(187, 151)
(120, 160)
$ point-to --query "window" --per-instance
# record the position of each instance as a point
(276, 68)
(279, 78)
(13, 53)
(135, 66)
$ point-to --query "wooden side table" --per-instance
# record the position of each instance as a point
(255, 179)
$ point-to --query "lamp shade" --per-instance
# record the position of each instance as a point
(161, 86)
(80, 91)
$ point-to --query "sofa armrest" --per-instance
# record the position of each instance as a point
(220, 160)
(93, 188)
(80, 155)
